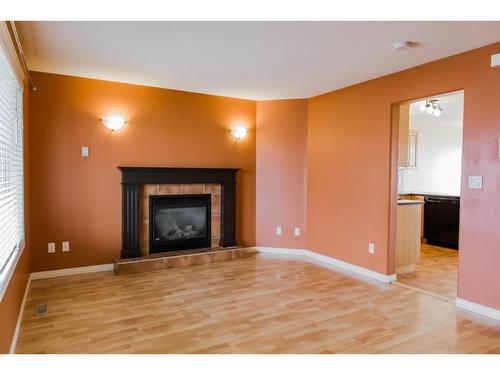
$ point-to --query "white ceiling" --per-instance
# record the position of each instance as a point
(452, 115)
(253, 60)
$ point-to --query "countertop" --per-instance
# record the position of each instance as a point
(408, 202)
(428, 193)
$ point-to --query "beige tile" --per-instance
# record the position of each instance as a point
(192, 188)
(144, 250)
(215, 204)
(199, 259)
(149, 189)
(144, 208)
(142, 266)
(144, 234)
(222, 256)
(211, 188)
(175, 262)
(215, 227)
(167, 189)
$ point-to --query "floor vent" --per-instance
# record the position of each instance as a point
(41, 309)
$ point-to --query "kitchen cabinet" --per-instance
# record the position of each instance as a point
(411, 161)
(408, 138)
(403, 116)
(409, 222)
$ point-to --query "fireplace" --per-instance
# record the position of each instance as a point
(223, 206)
(179, 222)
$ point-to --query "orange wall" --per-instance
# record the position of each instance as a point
(13, 297)
(349, 168)
(281, 172)
(79, 200)
(348, 156)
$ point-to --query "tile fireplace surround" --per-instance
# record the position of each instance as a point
(139, 183)
(148, 190)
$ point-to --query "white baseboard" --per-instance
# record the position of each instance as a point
(72, 271)
(332, 261)
(478, 309)
(20, 317)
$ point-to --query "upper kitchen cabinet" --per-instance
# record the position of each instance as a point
(408, 139)
(412, 149)
(403, 116)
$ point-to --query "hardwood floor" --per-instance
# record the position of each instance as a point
(436, 272)
(262, 304)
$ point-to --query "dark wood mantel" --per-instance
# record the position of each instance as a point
(134, 177)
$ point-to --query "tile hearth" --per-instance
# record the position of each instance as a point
(183, 258)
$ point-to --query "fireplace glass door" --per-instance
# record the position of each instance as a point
(178, 222)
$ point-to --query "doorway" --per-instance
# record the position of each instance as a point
(429, 160)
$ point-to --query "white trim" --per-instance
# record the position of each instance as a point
(72, 271)
(20, 318)
(8, 271)
(477, 308)
(332, 261)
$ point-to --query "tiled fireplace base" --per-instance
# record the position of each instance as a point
(183, 258)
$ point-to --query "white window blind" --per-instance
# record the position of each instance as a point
(11, 163)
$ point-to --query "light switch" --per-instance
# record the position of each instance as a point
(297, 231)
(278, 231)
(85, 152)
(475, 182)
(51, 247)
(371, 248)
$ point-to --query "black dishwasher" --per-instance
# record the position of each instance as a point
(441, 220)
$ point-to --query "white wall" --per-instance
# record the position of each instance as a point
(439, 153)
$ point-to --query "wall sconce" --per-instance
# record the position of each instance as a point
(113, 122)
(238, 132)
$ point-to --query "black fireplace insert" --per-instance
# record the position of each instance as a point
(179, 222)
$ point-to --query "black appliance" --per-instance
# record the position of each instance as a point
(441, 221)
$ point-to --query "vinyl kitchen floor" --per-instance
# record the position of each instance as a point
(435, 273)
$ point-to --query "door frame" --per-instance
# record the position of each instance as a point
(393, 181)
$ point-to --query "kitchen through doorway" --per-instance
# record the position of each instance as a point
(429, 184)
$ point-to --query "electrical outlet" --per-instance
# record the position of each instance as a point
(65, 246)
(52, 247)
(296, 232)
(278, 231)
(371, 248)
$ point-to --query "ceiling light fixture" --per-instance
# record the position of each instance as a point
(432, 106)
(404, 45)
(113, 122)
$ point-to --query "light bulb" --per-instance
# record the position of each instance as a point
(239, 132)
(437, 112)
(429, 109)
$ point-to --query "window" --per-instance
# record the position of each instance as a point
(11, 165)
